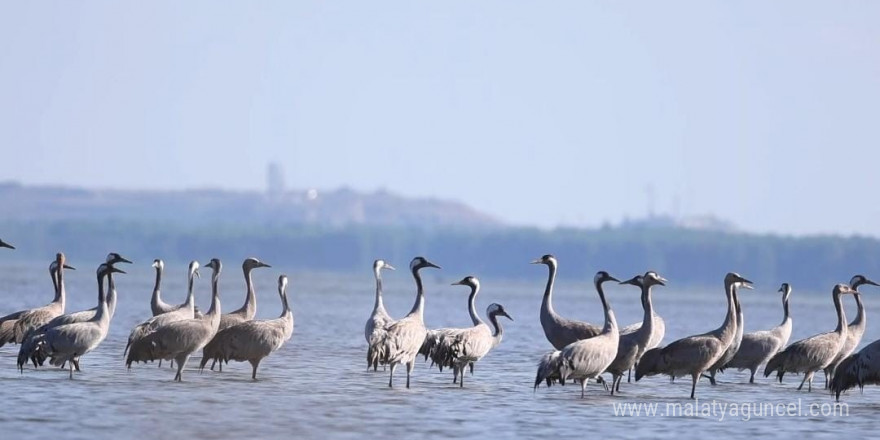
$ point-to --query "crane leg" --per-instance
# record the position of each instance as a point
(409, 368)
(752, 378)
(76, 364)
(391, 376)
(255, 363)
(808, 375)
(583, 387)
(180, 364)
(694, 378)
(70, 368)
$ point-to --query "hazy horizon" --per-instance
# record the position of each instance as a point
(572, 114)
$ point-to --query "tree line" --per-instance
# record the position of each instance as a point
(689, 257)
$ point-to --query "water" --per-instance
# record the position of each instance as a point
(317, 386)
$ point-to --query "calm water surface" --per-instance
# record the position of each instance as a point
(317, 386)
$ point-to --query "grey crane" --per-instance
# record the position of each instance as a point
(244, 313)
(470, 345)
(28, 343)
(587, 358)
(178, 340)
(816, 352)
(143, 329)
(404, 337)
(15, 326)
(64, 343)
(437, 341)
(560, 331)
(656, 335)
(458, 348)
(734, 346)
(854, 330)
(156, 304)
(632, 346)
(860, 369)
(758, 347)
(374, 330)
(30, 350)
(254, 340)
(694, 354)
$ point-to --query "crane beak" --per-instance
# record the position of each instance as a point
(504, 314)
(115, 270)
(430, 264)
(631, 281)
(197, 274)
(537, 261)
(746, 286)
(69, 267)
(124, 260)
(389, 267)
(871, 283)
(264, 264)
(6, 245)
(611, 278)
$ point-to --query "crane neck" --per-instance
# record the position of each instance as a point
(53, 272)
(785, 312)
(841, 315)
(215, 295)
(728, 328)
(472, 309)
(111, 294)
(190, 294)
(250, 303)
(860, 314)
(102, 300)
(285, 306)
(419, 306)
(648, 308)
(547, 304)
(378, 303)
(739, 310)
(157, 295)
(610, 320)
(499, 329)
(61, 293)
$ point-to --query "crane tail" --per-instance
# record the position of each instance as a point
(549, 369)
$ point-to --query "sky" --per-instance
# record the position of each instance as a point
(565, 113)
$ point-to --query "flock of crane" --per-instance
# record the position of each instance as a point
(173, 333)
(583, 351)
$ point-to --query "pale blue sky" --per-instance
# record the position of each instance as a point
(763, 113)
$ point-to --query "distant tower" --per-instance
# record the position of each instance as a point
(274, 180)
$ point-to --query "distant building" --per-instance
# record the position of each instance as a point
(274, 180)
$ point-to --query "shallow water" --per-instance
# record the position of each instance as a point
(316, 385)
